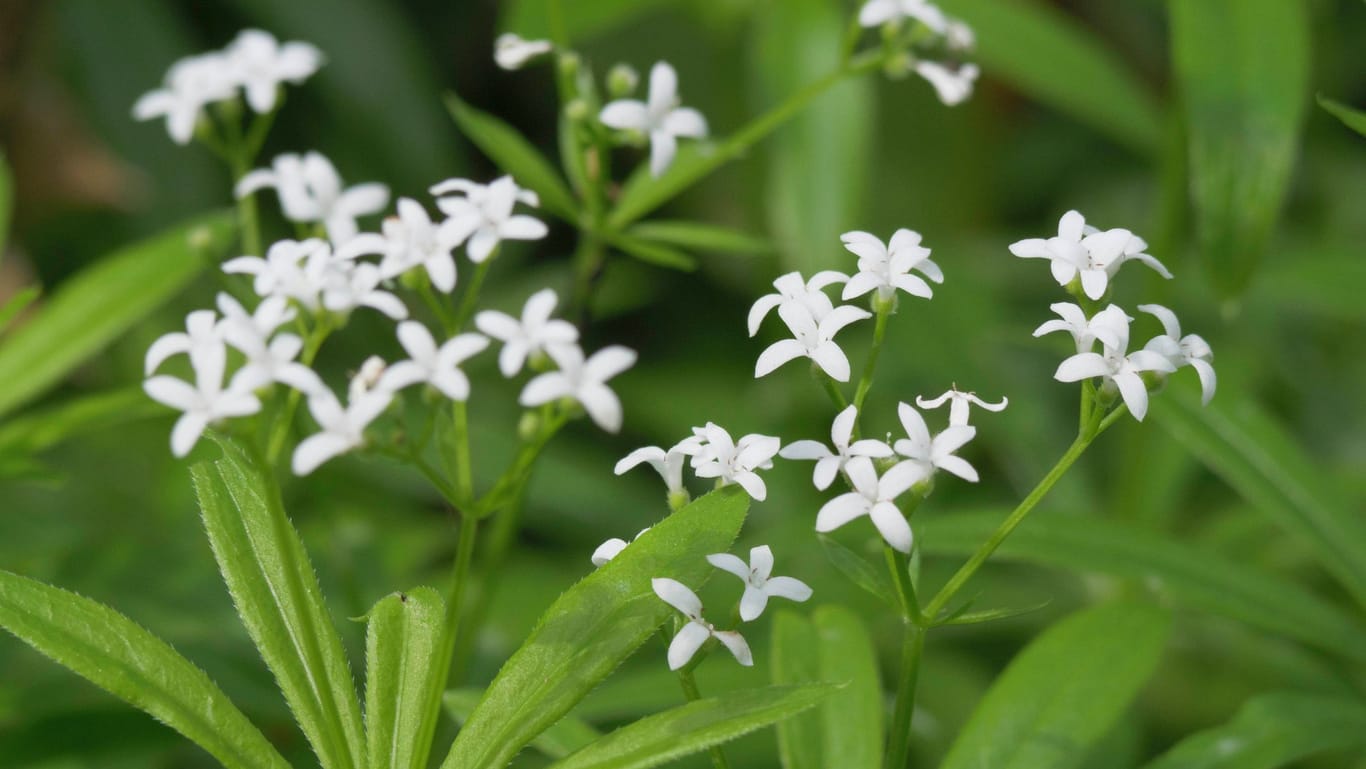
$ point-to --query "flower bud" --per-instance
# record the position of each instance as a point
(1107, 394)
(1155, 381)
(529, 426)
(678, 500)
(569, 64)
(415, 280)
(577, 111)
(899, 65)
(922, 489)
(622, 81)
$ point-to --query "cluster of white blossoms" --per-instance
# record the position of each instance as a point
(254, 63)
(932, 31)
(712, 454)
(1085, 260)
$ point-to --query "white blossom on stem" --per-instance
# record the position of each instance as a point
(960, 404)
(697, 629)
(1119, 368)
(887, 267)
(260, 64)
(928, 454)
(512, 52)
(295, 270)
(1107, 326)
(204, 402)
(534, 333)
(1189, 350)
(191, 84)
(483, 214)
(793, 290)
(659, 117)
(358, 285)
(201, 330)
(718, 456)
(811, 339)
(311, 190)
(436, 366)
(669, 464)
(759, 586)
(952, 84)
(612, 548)
(583, 381)
(267, 359)
(830, 462)
(875, 13)
(874, 497)
(412, 240)
(343, 429)
(1081, 252)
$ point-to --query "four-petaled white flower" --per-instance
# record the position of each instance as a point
(191, 84)
(437, 366)
(267, 360)
(887, 266)
(261, 64)
(812, 339)
(669, 464)
(718, 456)
(1106, 326)
(875, 13)
(1115, 366)
(291, 269)
(359, 286)
(482, 214)
(793, 290)
(311, 190)
(343, 429)
(412, 240)
(535, 333)
(204, 402)
(512, 52)
(960, 403)
(660, 117)
(952, 84)
(759, 586)
(697, 630)
(201, 330)
(928, 454)
(829, 463)
(1189, 350)
(874, 497)
(1084, 253)
(612, 548)
(583, 381)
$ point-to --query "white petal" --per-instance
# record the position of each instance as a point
(762, 307)
(686, 121)
(832, 361)
(545, 388)
(608, 362)
(625, 115)
(1208, 380)
(603, 406)
(652, 454)
(1081, 366)
(523, 227)
(186, 432)
(317, 449)
(841, 510)
(824, 473)
(677, 595)
(737, 646)
(892, 525)
(730, 563)
(958, 466)
(753, 485)
(498, 325)
(788, 587)
(752, 603)
(663, 147)
(861, 284)
(608, 550)
(1134, 393)
(689, 639)
(805, 450)
(776, 355)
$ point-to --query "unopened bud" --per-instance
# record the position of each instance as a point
(622, 81)
(577, 111)
(678, 500)
(899, 65)
(528, 426)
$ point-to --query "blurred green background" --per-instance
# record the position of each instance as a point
(1079, 107)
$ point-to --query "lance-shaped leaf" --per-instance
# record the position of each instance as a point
(277, 595)
(697, 236)
(403, 632)
(590, 629)
(94, 307)
(114, 653)
(694, 727)
(1064, 691)
(559, 740)
(6, 201)
(658, 254)
(1354, 119)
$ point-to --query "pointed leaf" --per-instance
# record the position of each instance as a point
(990, 615)
(859, 570)
(590, 629)
(277, 595)
(1353, 118)
(697, 236)
(403, 632)
(6, 202)
(654, 253)
(1062, 694)
(796, 659)
(16, 304)
(694, 727)
(114, 653)
(560, 739)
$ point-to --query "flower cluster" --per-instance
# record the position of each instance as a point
(712, 454)
(930, 32)
(255, 63)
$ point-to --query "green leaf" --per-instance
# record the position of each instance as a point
(1242, 69)
(40, 429)
(1240, 442)
(1270, 731)
(1203, 580)
(990, 615)
(530, 19)
(591, 628)
(796, 659)
(516, 156)
(1049, 56)
(657, 254)
(697, 236)
(859, 570)
(558, 740)
(1353, 118)
(6, 204)
(403, 632)
(694, 727)
(114, 653)
(1064, 691)
(93, 308)
(277, 595)
(17, 304)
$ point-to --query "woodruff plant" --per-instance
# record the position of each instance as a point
(251, 376)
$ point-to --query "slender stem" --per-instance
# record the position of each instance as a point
(462, 472)
(589, 260)
(280, 431)
(865, 382)
(689, 684)
(471, 297)
(440, 672)
(832, 390)
(899, 737)
(438, 308)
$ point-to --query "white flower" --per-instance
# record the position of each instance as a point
(874, 497)
(296, 270)
(1124, 371)
(759, 586)
(875, 13)
(437, 366)
(793, 290)
(483, 214)
(204, 402)
(829, 463)
(512, 52)
(887, 267)
(697, 630)
(357, 285)
(1085, 253)
(812, 339)
(412, 240)
(534, 333)
(612, 548)
(343, 429)
(959, 36)
(191, 84)
(1190, 350)
(1106, 326)
(366, 378)
(310, 190)
(960, 403)
(260, 64)
(201, 330)
(954, 86)
(660, 117)
(717, 456)
(268, 360)
(929, 454)
(583, 381)
(669, 464)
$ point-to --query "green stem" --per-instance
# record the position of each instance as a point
(689, 684)
(280, 431)
(471, 297)
(463, 473)
(440, 672)
(832, 390)
(899, 737)
(865, 381)
(589, 259)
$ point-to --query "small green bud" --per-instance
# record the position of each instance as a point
(1155, 381)
(577, 111)
(569, 64)
(1107, 394)
(883, 304)
(923, 488)
(622, 81)
(539, 362)
(529, 426)
(678, 500)
(414, 280)
(899, 65)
